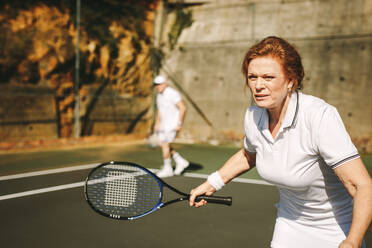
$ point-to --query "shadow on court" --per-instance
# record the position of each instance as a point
(193, 167)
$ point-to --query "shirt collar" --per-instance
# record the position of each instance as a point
(290, 115)
(166, 89)
(292, 111)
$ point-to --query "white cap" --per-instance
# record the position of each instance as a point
(160, 80)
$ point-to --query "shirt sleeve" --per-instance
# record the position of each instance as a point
(175, 96)
(248, 130)
(333, 141)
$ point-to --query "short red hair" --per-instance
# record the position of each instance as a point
(284, 52)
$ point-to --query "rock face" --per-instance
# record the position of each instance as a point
(38, 73)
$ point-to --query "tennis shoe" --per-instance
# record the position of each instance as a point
(181, 166)
(165, 172)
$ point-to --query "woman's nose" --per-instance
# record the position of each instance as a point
(259, 83)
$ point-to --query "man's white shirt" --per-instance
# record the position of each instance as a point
(168, 111)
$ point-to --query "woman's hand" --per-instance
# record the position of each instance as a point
(347, 244)
(203, 189)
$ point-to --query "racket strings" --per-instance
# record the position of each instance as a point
(123, 190)
(121, 193)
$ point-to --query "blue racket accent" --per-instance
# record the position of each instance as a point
(153, 210)
(159, 203)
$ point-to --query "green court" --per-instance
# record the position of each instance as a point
(204, 158)
(62, 218)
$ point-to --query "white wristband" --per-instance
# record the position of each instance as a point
(216, 181)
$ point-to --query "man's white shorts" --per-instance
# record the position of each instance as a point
(167, 136)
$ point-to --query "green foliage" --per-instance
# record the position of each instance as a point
(157, 56)
(183, 20)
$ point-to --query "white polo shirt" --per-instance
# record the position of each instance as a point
(168, 111)
(311, 142)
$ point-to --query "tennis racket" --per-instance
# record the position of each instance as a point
(127, 191)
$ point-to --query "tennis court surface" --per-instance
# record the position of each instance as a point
(42, 202)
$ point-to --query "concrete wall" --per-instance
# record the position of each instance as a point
(333, 37)
(30, 113)
(114, 113)
(27, 113)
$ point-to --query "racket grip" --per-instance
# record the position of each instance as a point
(226, 200)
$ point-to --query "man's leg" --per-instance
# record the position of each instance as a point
(181, 163)
(167, 170)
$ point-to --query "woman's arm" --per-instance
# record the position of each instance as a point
(358, 182)
(240, 162)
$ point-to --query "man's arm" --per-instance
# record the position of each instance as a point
(182, 108)
(157, 122)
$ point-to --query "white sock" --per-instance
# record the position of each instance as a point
(168, 163)
(178, 158)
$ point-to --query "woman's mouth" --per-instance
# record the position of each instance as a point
(260, 97)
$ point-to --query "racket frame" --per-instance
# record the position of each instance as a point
(161, 184)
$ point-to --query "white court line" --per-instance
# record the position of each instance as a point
(45, 172)
(44, 190)
(81, 184)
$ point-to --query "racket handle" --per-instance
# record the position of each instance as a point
(226, 200)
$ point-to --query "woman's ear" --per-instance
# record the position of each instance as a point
(290, 85)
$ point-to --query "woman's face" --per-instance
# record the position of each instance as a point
(268, 83)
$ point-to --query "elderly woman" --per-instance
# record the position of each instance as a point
(298, 142)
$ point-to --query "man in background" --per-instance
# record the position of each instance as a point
(169, 121)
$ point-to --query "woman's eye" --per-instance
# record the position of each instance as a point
(269, 78)
(252, 77)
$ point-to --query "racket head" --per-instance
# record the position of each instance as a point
(123, 190)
